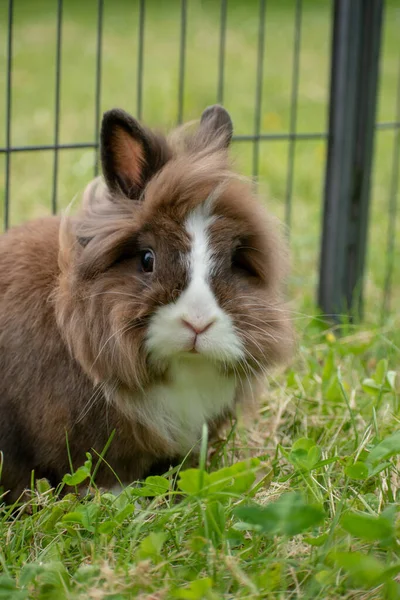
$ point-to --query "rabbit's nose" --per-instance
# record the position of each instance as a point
(198, 327)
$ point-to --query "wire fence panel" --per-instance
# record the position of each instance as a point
(383, 251)
(221, 54)
(7, 149)
(140, 60)
(293, 113)
(266, 60)
(99, 53)
(57, 105)
(393, 201)
(182, 56)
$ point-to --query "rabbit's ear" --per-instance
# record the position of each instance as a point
(215, 123)
(130, 154)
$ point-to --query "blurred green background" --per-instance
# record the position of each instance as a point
(33, 101)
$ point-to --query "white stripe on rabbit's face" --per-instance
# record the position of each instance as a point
(195, 323)
(196, 391)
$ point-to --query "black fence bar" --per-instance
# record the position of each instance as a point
(268, 137)
(388, 125)
(99, 55)
(354, 76)
(77, 146)
(57, 106)
(284, 137)
(139, 99)
(259, 87)
(221, 54)
(8, 117)
(293, 114)
(182, 60)
(392, 210)
(271, 137)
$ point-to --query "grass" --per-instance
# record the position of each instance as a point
(302, 502)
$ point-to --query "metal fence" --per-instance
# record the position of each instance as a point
(355, 49)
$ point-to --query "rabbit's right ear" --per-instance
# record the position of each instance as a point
(216, 120)
(130, 154)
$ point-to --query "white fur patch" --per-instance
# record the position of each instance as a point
(197, 391)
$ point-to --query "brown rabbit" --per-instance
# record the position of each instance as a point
(153, 311)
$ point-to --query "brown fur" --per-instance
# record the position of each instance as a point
(74, 306)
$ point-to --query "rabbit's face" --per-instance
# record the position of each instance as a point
(194, 321)
(176, 259)
(213, 259)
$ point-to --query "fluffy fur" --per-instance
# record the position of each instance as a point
(92, 341)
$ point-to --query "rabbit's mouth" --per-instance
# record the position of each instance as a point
(174, 331)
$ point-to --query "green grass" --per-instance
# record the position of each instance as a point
(301, 503)
(314, 513)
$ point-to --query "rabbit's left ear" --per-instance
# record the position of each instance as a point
(130, 154)
(216, 123)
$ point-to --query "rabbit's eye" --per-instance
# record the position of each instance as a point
(147, 261)
(242, 263)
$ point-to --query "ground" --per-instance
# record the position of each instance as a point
(302, 501)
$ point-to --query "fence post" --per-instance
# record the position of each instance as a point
(356, 43)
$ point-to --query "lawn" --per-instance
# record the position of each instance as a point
(302, 501)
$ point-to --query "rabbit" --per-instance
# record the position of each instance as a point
(155, 309)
